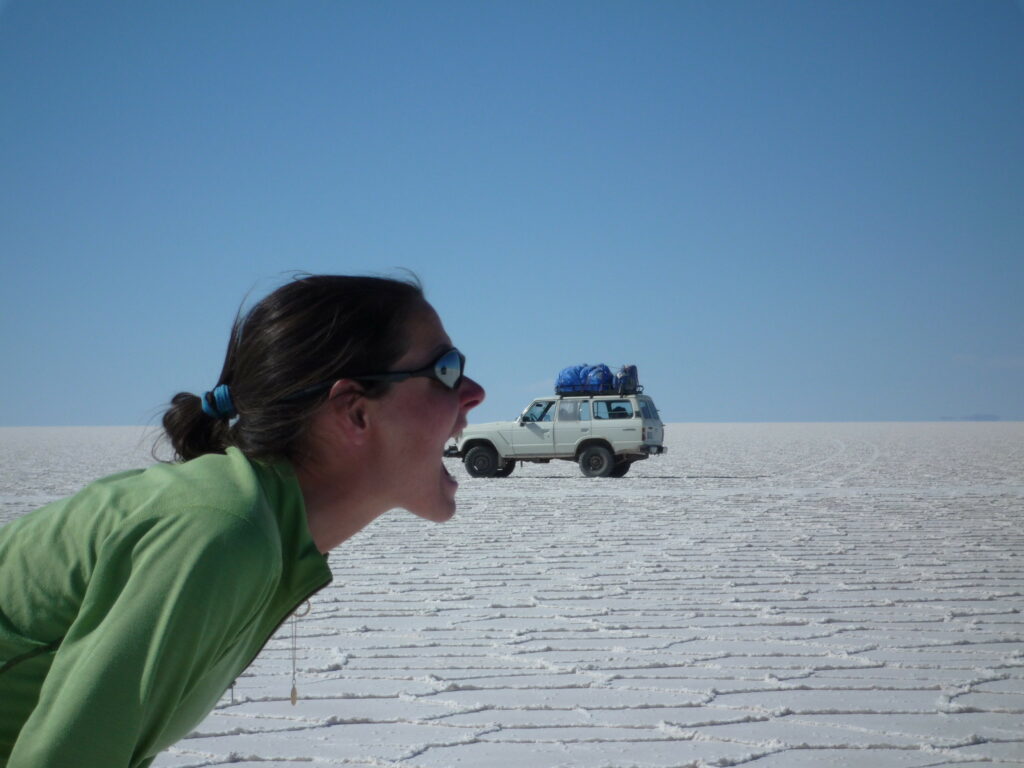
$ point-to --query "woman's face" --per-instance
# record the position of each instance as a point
(417, 417)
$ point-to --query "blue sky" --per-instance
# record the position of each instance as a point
(780, 211)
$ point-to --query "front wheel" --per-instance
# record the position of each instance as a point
(481, 461)
(596, 461)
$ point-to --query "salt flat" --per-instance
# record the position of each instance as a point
(768, 595)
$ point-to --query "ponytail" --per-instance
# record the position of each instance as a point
(192, 432)
(312, 330)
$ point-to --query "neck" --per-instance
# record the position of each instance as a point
(337, 507)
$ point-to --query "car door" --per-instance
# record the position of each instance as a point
(572, 424)
(534, 434)
(653, 429)
(617, 420)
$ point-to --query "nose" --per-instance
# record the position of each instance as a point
(471, 394)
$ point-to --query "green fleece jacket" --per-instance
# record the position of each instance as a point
(128, 609)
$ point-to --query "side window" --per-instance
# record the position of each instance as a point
(648, 409)
(568, 410)
(539, 411)
(621, 409)
(584, 410)
(613, 409)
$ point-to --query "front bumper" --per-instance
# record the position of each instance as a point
(452, 451)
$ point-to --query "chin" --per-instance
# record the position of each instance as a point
(435, 515)
(436, 501)
(444, 517)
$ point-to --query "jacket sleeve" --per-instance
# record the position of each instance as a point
(163, 602)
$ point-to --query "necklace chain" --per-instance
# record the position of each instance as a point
(295, 632)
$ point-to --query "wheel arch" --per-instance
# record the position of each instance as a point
(474, 442)
(584, 444)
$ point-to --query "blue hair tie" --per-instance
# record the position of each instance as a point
(221, 407)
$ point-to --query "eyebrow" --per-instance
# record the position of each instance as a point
(442, 348)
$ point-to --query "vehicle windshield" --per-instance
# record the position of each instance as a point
(539, 411)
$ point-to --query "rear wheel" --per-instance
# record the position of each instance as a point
(620, 469)
(505, 469)
(596, 461)
(481, 461)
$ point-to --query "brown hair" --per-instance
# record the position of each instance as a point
(307, 333)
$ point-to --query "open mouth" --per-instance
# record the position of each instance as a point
(459, 427)
(447, 474)
(448, 480)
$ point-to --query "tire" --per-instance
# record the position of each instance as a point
(506, 468)
(481, 461)
(620, 469)
(596, 461)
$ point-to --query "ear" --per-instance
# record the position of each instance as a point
(348, 407)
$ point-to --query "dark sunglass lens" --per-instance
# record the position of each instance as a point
(449, 369)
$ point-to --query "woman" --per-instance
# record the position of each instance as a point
(128, 609)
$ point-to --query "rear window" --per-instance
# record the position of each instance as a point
(613, 409)
(647, 409)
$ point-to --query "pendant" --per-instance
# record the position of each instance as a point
(295, 621)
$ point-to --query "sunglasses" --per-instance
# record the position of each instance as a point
(448, 369)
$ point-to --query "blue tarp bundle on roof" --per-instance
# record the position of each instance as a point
(596, 380)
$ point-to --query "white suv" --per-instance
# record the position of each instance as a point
(604, 433)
